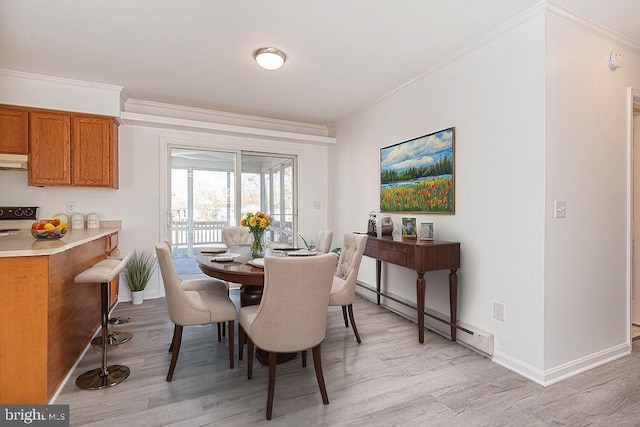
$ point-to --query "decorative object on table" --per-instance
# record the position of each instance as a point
(257, 224)
(418, 175)
(77, 220)
(139, 269)
(49, 229)
(309, 245)
(426, 231)
(387, 226)
(372, 226)
(409, 227)
(93, 220)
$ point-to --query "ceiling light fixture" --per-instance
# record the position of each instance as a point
(269, 58)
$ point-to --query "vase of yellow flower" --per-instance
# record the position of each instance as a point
(257, 223)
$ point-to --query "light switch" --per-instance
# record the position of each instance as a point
(561, 208)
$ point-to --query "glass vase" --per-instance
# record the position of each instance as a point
(257, 251)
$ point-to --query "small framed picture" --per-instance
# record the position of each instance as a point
(409, 227)
(426, 231)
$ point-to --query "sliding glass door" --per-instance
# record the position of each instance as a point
(211, 190)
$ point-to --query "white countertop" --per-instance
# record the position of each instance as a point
(24, 244)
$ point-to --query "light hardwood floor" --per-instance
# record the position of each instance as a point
(388, 380)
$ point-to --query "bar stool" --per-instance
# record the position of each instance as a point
(103, 273)
(113, 338)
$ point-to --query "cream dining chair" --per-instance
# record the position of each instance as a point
(292, 315)
(236, 235)
(192, 307)
(203, 284)
(343, 291)
(325, 238)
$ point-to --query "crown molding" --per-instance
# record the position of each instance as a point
(221, 117)
(148, 120)
(61, 80)
(592, 27)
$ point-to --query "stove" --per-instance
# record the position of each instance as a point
(13, 219)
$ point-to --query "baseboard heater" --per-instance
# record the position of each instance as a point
(472, 337)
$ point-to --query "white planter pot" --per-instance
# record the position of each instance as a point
(137, 297)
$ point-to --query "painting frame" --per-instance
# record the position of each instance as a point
(418, 175)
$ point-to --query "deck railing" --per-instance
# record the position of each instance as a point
(203, 233)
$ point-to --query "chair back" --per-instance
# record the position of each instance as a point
(325, 238)
(237, 235)
(183, 309)
(353, 247)
(292, 315)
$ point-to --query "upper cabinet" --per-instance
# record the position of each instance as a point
(68, 149)
(14, 131)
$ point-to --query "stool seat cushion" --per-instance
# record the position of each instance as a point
(104, 271)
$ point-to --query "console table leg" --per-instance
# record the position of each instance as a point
(378, 274)
(453, 302)
(420, 289)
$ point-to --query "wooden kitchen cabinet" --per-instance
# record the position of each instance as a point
(72, 150)
(14, 131)
(50, 150)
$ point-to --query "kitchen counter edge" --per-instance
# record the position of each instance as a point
(24, 244)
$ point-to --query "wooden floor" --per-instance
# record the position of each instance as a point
(388, 380)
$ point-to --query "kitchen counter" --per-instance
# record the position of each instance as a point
(47, 319)
(24, 244)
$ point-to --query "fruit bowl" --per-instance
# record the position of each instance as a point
(49, 229)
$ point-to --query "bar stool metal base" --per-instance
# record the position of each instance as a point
(119, 320)
(95, 379)
(115, 338)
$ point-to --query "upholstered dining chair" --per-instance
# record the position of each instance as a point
(292, 315)
(192, 307)
(203, 284)
(343, 291)
(325, 237)
(236, 235)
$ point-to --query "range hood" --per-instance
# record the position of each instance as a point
(13, 162)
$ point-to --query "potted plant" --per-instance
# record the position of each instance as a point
(139, 269)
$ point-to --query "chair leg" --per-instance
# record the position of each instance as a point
(224, 330)
(353, 323)
(317, 363)
(304, 358)
(172, 339)
(272, 382)
(231, 331)
(240, 342)
(250, 361)
(344, 315)
(220, 332)
(177, 340)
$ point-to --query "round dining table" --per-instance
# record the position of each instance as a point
(251, 278)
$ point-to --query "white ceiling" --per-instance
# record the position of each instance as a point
(342, 54)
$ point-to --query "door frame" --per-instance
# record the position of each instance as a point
(633, 97)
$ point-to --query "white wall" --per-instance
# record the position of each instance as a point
(586, 165)
(494, 96)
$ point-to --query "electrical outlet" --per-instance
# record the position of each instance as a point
(498, 311)
(71, 207)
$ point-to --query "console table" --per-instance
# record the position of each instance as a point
(421, 256)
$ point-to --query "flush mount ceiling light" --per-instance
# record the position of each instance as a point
(269, 58)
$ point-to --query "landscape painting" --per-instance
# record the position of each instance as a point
(418, 175)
